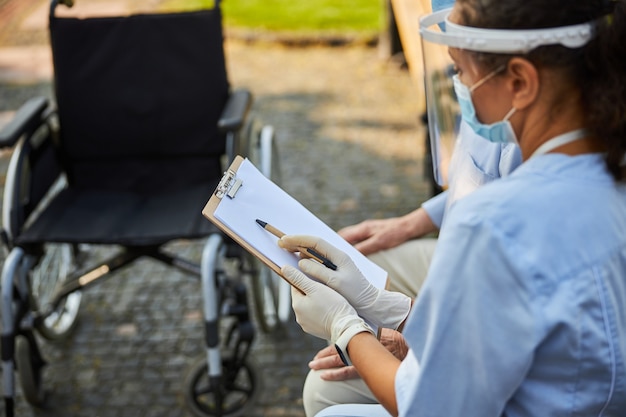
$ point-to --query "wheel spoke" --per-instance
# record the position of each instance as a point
(205, 390)
(53, 270)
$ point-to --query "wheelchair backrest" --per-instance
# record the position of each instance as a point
(139, 97)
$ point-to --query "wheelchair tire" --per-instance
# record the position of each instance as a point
(53, 270)
(29, 371)
(272, 294)
(239, 388)
(266, 293)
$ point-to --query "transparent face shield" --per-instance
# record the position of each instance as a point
(438, 34)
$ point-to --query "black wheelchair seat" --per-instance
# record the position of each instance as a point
(139, 102)
(118, 217)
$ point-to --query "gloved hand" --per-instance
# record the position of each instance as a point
(380, 307)
(322, 312)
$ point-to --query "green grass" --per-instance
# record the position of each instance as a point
(295, 15)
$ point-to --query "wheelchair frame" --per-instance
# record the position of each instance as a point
(34, 130)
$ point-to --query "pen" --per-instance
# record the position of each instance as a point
(315, 254)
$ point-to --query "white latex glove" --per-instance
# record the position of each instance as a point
(322, 312)
(378, 306)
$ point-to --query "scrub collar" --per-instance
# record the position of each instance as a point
(560, 140)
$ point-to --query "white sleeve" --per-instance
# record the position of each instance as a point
(405, 381)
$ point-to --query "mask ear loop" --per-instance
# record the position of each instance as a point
(487, 77)
(509, 114)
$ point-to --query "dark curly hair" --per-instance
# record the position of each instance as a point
(598, 68)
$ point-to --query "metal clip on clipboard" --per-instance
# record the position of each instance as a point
(228, 185)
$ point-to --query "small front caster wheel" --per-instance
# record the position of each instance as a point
(29, 370)
(234, 394)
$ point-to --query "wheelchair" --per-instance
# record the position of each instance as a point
(143, 126)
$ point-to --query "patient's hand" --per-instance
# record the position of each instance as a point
(371, 236)
(394, 342)
(328, 360)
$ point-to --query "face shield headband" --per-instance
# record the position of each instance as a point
(501, 40)
(444, 114)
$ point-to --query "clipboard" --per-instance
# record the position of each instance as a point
(228, 187)
(244, 194)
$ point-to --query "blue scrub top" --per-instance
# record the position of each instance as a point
(523, 312)
(441, 4)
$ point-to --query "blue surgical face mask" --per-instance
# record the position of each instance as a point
(499, 132)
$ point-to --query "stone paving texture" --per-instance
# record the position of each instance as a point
(351, 148)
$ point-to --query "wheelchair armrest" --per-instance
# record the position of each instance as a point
(235, 111)
(26, 119)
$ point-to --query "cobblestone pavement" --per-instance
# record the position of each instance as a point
(351, 148)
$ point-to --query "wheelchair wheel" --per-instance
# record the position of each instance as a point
(54, 268)
(29, 366)
(237, 392)
(266, 292)
(272, 294)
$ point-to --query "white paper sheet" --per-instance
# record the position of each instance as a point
(260, 198)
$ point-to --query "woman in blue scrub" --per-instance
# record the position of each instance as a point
(403, 246)
(527, 316)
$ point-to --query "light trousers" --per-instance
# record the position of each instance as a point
(407, 265)
(354, 410)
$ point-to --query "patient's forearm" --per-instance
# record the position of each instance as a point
(377, 366)
(418, 223)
